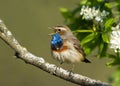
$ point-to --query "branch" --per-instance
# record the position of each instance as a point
(25, 55)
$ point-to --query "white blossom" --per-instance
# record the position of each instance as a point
(115, 38)
(92, 13)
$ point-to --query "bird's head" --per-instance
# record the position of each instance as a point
(62, 30)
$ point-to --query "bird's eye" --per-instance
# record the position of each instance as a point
(59, 30)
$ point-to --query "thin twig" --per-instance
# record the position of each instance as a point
(25, 55)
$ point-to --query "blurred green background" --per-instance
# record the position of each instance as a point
(29, 21)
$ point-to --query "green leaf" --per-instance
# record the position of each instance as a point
(83, 2)
(114, 62)
(66, 13)
(102, 49)
(111, 4)
(115, 78)
(90, 46)
(105, 37)
(88, 38)
(109, 64)
(63, 10)
(87, 31)
(109, 23)
(111, 56)
(99, 0)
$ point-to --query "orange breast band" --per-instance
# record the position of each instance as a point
(63, 48)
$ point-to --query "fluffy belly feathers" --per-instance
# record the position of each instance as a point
(70, 55)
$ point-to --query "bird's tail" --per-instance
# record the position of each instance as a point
(86, 61)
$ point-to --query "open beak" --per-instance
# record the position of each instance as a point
(50, 28)
(51, 33)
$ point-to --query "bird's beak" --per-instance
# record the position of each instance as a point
(51, 34)
(51, 29)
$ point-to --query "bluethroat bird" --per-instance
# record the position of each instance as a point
(65, 47)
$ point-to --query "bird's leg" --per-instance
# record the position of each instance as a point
(58, 67)
(71, 71)
(73, 66)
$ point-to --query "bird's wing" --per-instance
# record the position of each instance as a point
(77, 46)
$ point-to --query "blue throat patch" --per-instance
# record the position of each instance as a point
(56, 42)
